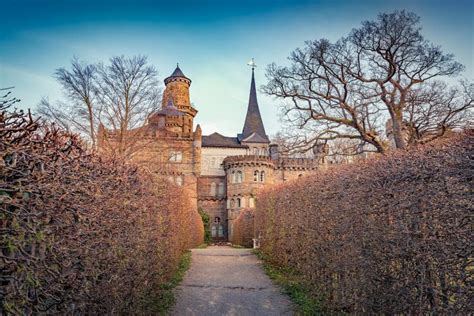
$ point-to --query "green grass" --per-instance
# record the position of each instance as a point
(202, 246)
(166, 299)
(294, 286)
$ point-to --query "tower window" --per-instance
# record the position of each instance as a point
(239, 203)
(255, 176)
(262, 176)
(239, 176)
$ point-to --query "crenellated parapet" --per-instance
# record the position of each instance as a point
(248, 161)
(296, 164)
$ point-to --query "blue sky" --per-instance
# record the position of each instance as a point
(212, 41)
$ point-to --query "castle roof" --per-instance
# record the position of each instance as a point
(177, 73)
(218, 140)
(253, 121)
(169, 110)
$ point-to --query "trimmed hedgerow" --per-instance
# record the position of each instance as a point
(81, 234)
(387, 235)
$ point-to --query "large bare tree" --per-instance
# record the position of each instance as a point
(116, 97)
(79, 113)
(348, 89)
(128, 91)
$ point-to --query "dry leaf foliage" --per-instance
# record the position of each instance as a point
(81, 234)
(388, 235)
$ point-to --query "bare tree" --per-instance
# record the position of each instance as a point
(435, 109)
(113, 99)
(79, 114)
(345, 89)
(128, 91)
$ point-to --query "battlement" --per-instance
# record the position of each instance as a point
(296, 163)
(249, 160)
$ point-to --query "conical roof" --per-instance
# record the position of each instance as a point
(177, 73)
(253, 121)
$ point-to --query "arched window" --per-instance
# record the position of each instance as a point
(255, 176)
(232, 177)
(239, 203)
(239, 176)
(262, 176)
(221, 189)
(255, 151)
(213, 189)
(232, 203)
(228, 203)
(179, 180)
(242, 202)
(217, 220)
(213, 231)
(263, 152)
(220, 231)
(251, 202)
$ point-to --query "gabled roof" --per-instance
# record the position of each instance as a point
(253, 120)
(218, 140)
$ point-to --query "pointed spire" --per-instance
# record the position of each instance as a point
(253, 120)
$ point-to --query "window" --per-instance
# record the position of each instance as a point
(232, 203)
(221, 189)
(175, 156)
(263, 152)
(213, 231)
(213, 189)
(255, 151)
(251, 202)
(228, 203)
(220, 231)
(217, 220)
(255, 176)
(179, 180)
(239, 176)
(239, 203)
(242, 202)
(232, 177)
(262, 176)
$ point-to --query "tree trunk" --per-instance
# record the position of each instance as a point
(397, 129)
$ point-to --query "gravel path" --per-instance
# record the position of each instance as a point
(228, 281)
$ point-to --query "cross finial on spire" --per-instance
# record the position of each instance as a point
(252, 64)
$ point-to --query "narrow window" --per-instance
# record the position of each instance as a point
(221, 189)
(262, 176)
(220, 231)
(251, 202)
(213, 189)
(238, 202)
(255, 176)
(255, 151)
(232, 177)
(179, 180)
(228, 203)
(239, 176)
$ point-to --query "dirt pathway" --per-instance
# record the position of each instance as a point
(228, 281)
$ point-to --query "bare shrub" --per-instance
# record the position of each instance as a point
(82, 235)
(387, 235)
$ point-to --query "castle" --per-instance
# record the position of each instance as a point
(221, 174)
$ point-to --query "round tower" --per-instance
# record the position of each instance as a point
(177, 91)
(245, 176)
